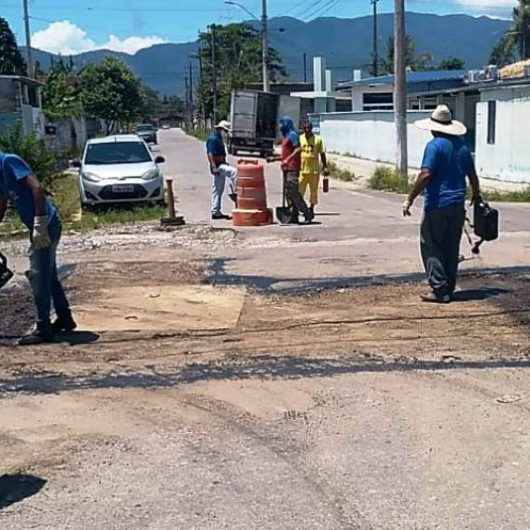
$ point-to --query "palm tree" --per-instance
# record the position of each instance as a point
(521, 17)
(515, 43)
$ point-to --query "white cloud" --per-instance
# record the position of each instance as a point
(131, 44)
(62, 37)
(66, 38)
(499, 4)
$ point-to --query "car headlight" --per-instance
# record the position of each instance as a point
(91, 177)
(151, 174)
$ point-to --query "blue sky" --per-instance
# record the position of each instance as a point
(68, 26)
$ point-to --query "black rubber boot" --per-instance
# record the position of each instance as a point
(64, 324)
(37, 336)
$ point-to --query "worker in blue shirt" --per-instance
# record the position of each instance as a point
(20, 187)
(220, 170)
(446, 164)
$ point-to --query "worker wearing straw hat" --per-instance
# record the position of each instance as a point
(446, 164)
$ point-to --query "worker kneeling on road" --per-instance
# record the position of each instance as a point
(312, 148)
(221, 171)
(290, 163)
(21, 187)
(446, 163)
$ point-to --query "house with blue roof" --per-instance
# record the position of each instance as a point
(376, 93)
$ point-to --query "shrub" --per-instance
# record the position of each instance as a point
(41, 160)
(386, 179)
(507, 196)
(339, 173)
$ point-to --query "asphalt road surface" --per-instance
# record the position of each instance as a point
(351, 408)
(359, 236)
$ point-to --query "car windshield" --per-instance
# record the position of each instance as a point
(143, 128)
(117, 153)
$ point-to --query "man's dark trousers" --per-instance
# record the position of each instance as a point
(441, 232)
(294, 197)
(45, 282)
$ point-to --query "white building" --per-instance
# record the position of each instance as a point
(503, 132)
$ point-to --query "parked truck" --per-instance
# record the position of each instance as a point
(254, 116)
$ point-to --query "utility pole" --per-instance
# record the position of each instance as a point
(265, 46)
(187, 100)
(202, 108)
(400, 88)
(375, 36)
(191, 92)
(522, 16)
(28, 39)
(214, 76)
(305, 67)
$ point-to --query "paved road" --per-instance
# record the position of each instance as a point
(361, 236)
(154, 434)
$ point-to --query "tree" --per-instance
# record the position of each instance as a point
(515, 43)
(34, 151)
(61, 96)
(238, 62)
(111, 92)
(452, 63)
(521, 20)
(412, 59)
(151, 104)
(11, 61)
(504, 52)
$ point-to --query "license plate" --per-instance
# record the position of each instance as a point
(123, 188)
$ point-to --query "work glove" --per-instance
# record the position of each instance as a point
(40, 237)
(407, 205)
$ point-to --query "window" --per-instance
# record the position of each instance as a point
(117, 153)
(492, 121)
(378, 101)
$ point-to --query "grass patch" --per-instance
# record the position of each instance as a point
(507, 196)
(200, 134)
(117, 214)
(339, 173)
(65, 194)
(386, 179)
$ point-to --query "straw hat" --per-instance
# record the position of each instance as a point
(224, 125)
(442, 121)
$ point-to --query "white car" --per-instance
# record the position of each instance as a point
(117, 169)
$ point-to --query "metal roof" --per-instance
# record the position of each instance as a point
(22, 78)
(429, 76)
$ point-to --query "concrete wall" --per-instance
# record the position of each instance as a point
(70, 134)
(506, 93)
(508, 159)
(372, 135)
(8, 120)
(8, 96)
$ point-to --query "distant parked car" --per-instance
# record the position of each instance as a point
(147, 132)
(166, 126)
(119, 169)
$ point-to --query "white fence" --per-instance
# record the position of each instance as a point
(503, 140)
(372, 135)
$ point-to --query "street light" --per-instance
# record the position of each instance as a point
(243, 8)
(264, 38)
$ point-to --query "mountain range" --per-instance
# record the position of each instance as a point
(345, 43)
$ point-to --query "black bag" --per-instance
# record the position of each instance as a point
(486, 221)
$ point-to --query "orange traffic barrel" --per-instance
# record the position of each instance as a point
(251, 195)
